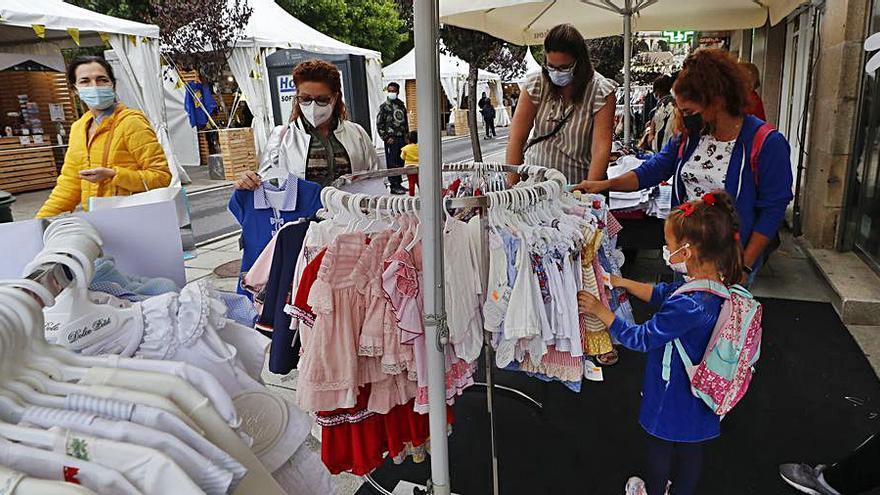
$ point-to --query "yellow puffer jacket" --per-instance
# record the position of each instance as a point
(135, 155)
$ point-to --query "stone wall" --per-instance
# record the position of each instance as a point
(835, 101)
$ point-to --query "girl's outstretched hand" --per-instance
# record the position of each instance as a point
(588, 303)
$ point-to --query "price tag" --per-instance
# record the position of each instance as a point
(593, 372)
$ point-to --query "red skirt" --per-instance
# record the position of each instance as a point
(357, 440)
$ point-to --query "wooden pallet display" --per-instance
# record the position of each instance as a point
(237, 148)
(411, 107)
(462, 127)
(25, 168)
(41, 88)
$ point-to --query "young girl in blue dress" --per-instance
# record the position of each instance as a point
(702, 242)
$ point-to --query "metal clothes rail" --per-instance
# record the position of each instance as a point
(543, 179)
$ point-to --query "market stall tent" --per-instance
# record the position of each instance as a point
(44, 27)
(453, 80)
(271, 28)
(532, 66)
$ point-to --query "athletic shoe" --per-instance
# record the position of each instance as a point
(635, 486)
(806, 479)
(398, 190)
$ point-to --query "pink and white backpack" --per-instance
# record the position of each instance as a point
(723, 376)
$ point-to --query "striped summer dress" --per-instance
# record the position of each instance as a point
(569, 150)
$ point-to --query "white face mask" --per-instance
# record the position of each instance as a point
(316, 114)
(392, 96)
(681, 266)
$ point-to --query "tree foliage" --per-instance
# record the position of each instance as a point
(607, 55)
(200, 34)
(373, 24)
(481, 51)
(134, 10)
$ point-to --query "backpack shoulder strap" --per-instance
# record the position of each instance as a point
(704, 285)
(757, 146)
(666, 367)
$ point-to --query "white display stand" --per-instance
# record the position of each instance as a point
(142, 239)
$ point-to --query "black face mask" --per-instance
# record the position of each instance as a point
(694, 124)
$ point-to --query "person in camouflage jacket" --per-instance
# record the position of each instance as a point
(393, 126)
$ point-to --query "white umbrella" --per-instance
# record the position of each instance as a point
(526, 22)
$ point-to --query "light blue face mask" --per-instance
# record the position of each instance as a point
(97, 97)
(561, 78)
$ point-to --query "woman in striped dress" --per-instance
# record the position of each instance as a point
(565, 116)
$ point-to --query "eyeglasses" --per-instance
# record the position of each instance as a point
(567, 68)
(321, 101)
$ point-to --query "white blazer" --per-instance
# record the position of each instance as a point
(288, 148)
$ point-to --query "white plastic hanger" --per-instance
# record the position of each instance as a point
(79, 312)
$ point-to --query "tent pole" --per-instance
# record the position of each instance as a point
(627, 70)
(426, 29)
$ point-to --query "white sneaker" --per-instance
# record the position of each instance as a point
(635, 486)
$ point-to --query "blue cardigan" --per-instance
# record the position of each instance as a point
(670, 411)
(761, 208)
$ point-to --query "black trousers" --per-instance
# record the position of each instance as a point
(859, 472)
(490, 126)
(678, 462)
(393, 159)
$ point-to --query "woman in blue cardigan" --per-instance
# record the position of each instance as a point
(714, 152)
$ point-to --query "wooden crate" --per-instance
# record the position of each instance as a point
(462, 128)
(203, 149)
(25, 168)
(237, 148)
(411, 107)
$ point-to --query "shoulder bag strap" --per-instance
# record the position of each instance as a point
(558, 127)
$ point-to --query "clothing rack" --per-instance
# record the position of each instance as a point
(546, 182)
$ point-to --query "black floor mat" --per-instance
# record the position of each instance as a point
(590, 443)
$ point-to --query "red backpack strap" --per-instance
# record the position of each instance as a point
(681, 146)
(757, 146)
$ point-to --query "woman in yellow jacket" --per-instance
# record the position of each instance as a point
(113, 150)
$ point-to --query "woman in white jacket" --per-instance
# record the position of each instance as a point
(319, 144)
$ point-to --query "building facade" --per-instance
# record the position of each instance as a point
(818, 94)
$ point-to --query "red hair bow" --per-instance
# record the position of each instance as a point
(709, 199)
(687, 208)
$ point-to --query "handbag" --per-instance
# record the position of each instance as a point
(150, 196)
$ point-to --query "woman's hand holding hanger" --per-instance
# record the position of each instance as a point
(248, 180)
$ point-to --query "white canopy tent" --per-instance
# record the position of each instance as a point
(44, 27)
(532, 66)
(453, 80)
(526, 22)
(271, 28)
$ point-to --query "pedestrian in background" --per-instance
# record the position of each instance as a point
(663, 121)
(393, 125)
(756, 104)
(488, 112)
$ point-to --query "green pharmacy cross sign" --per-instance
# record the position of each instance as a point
(678, 36)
